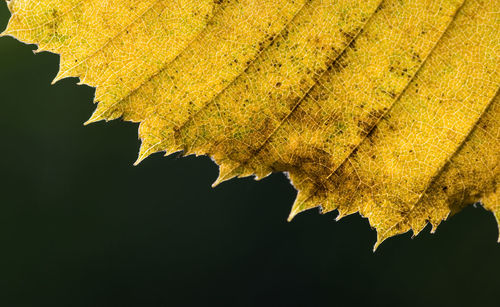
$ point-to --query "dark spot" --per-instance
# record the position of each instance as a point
(311, 161)
(389, 93)
(349, 36)
(381, 6)
(338, 65)
(416, 57)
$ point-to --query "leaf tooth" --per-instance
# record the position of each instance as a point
(143, 154)
(224, 175)
(302, 203)
(340, 216)
(227, 171)
(148, 147)
(380, 239)
(6, 33)
(417, 229)
(97, 115)
(60, 75)
(492, 203)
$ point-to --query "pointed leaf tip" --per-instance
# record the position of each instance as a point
(222, 178)
(380, 239)
(292, 214)
(143, 154)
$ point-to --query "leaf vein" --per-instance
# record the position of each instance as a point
(355, 148)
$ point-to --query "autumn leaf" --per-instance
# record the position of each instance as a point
(388, 108)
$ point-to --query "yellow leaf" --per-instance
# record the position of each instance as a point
(388, 108)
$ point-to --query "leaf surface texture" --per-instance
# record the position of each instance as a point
(389, 108)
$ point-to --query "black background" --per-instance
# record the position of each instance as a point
(81, 226)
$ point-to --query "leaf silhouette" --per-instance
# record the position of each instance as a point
(388, 108)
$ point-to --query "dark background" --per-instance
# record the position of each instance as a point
(81, 226)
